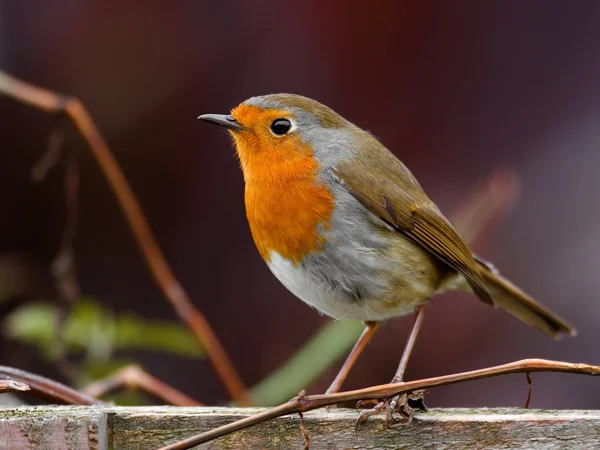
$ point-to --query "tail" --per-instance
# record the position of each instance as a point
(513, 300)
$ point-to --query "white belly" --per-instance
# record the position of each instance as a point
(333, 302)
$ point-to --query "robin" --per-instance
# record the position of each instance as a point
(346, 227)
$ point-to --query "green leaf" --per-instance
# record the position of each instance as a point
(323, 349)
(96, 331)
(33, 324)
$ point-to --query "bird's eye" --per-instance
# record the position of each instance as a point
(279, 127)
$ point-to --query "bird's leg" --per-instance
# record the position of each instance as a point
(361, 343)
(410, 343)
(401, 403)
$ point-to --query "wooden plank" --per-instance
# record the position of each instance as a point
(147, 428)
(436, 429)
(53, 428)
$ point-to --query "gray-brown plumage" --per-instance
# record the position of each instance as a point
(379, 247)
(388, 189)
(346, 227)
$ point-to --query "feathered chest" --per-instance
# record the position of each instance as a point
(288, 211)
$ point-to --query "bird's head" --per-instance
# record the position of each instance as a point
(283, 132)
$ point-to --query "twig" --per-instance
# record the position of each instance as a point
(63, 266)
(13, 386)
(50, 158)
(54, 103)
(43, 387)
(304, 432)
(310, 402)
(134, 377)
(481, 211)
(528, 399)
(303, 428)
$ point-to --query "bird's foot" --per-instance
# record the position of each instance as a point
(398, 404)
(403, 405)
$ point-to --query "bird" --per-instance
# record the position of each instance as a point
(344, 225)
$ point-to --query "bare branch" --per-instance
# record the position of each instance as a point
(50, 158)
(43, 387)
(485, 207)
(134, 377)
(528, 399)
(13, 386)
(54, 103)
(310, 402)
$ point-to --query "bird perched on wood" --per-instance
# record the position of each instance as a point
(346, 227)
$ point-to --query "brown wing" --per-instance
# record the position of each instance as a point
(416, 217)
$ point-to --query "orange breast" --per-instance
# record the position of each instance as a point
(286, 206)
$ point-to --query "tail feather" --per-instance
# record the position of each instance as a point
(513, 300)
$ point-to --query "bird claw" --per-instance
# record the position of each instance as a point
(400, 404)
(361, 403)
(363, 416)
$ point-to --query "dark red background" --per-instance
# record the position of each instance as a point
(455, 89)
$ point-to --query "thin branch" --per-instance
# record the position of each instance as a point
(303, 429)
(13, 386)
(310, 402)
(134, 377)
(54, 103)
(63, 267)
(528, 399)
(50, 158)
(43, 387)
(304, 432)
(486, 206)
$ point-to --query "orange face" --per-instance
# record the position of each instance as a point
(258, 148)
(286, 206)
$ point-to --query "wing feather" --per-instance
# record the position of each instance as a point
(417, 218)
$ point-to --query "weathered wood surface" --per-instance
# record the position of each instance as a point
(147, 428)
(53, 427)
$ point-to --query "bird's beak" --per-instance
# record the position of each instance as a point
(222, 120)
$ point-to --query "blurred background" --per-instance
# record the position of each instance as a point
(455, 89)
